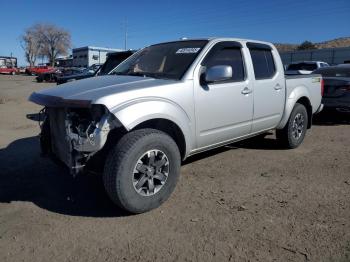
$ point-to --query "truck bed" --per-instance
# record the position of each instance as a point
(312, 87)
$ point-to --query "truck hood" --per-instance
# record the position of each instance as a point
(92, 90)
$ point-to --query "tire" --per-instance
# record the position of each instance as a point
(121, 179)
(13, 73)
(293, 134)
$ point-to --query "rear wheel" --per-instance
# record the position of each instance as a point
(293, 134)
(142, 170)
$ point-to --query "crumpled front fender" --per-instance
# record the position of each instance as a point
(135, 112)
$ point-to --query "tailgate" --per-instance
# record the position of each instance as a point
(336, 87)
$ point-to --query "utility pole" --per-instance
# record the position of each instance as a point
(126, 34)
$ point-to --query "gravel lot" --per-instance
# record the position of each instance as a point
(250, 201)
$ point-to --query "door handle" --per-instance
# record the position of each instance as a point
(246, 91)
(278, 87)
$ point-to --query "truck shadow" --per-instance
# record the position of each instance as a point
(331, 118)
(25, 176)
(261, 143)
(256, 143)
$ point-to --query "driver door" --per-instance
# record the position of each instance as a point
(224, 109)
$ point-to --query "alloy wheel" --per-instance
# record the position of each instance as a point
(151, 172)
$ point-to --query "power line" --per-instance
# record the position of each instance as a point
(126, 34)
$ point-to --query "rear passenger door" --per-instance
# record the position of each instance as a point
(269, 87)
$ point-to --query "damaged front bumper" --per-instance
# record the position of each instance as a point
(74, 135)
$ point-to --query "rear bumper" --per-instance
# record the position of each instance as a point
(338, 104)
(319, 109)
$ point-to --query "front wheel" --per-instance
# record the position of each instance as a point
(293, 134)
(142, 170)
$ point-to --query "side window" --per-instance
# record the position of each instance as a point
(263, 63)
(227, 53)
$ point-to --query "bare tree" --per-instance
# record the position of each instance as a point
(54, 41)
(31, 45)
(45, 40)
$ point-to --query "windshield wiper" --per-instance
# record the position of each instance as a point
(130, 74)
(144, 74)
(119, 73)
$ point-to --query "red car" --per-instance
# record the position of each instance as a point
(8, 70)
(36, 70)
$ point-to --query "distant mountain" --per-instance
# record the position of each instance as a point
(338, 42)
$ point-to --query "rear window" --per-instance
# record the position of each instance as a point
(263, 63)
(302, 66)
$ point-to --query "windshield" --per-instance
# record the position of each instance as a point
(168, 60)
(303, 66)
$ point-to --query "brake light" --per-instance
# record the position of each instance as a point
(322, 87)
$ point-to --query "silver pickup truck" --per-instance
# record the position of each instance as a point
(170, 101)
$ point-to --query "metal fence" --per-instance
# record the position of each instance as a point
(329, 55)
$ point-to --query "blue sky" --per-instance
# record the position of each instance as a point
(101, 23)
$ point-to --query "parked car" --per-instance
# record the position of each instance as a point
(95, 67)
(305, 67)
(36, 70)
(8, 70)
(53, 75)
(336, 87)
(112, 61)
(84, 73)
(22, 70)
(50, 76)
(170, 101)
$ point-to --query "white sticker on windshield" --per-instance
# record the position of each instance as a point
(188, 50)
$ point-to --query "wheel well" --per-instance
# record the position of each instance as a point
(96, 162)
(306, 102)
(168, 127)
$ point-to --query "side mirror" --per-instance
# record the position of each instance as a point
(218, 73)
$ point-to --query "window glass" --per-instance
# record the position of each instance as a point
(168, 60)
(263, 63)
(302, 66)
(226, 53)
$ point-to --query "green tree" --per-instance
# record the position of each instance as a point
(306, 45)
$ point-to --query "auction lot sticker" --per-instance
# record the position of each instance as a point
(188, 50)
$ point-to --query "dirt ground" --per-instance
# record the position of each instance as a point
(251, 201)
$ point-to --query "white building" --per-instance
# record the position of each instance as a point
(89, 55)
